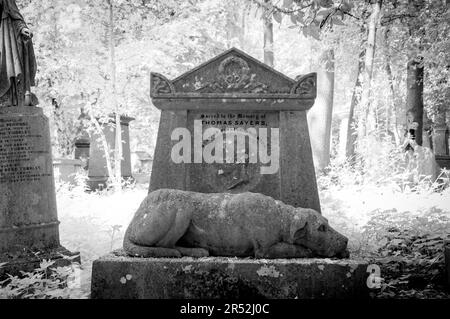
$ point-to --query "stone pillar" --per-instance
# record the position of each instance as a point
(28, 215)
(439, 141)
(98, 172)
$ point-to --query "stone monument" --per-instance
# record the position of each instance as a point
(233, 208)
(98, 172)
(235, 93)
(28, 215)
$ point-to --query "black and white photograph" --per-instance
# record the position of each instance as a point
(225, 154)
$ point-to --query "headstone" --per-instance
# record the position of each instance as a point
(98, 172)
(231, 125)
(28, 215)
(234, 124)
(66, 170)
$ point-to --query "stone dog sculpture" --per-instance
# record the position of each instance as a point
(173, 223)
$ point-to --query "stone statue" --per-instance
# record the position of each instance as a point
(17, 60)
(173, 223)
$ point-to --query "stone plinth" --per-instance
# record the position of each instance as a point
(28, 216)
(29, 226)
(98, 172)
(116, 276)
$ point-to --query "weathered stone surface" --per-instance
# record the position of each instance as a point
(28, 216)
(298, 178)
(116, 276)
(234, 92)
(166, 173)
(98, 172)
(66, 169)
(171, 223)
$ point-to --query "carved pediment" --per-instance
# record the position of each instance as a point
(233, 75)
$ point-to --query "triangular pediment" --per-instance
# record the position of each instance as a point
(234, 74)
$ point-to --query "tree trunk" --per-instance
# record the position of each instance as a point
(243, 28)
(391, 112)
(268, 37)
(352, 132)
(320, 115)
(414, 95)
(117, 178)
(365, 125)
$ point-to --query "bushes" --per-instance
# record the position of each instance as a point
(44, 282)
(392, 220)
(409, 249)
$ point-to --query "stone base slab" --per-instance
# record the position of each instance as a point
(117, 276)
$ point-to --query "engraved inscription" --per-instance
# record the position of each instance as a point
(243, 145)
(16, 152)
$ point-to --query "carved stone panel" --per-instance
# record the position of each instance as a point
(245, 136)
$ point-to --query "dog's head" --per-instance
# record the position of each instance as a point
(311, 230)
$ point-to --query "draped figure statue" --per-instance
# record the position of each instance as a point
(17, 60)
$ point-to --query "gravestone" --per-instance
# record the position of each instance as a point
(232, 125)
(66, 169)
(28, 215)
(235, 94)
(98, 172)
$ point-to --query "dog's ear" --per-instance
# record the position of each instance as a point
(298, 228)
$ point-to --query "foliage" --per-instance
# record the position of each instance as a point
(45, 282)
(410, 252)
(391, 222)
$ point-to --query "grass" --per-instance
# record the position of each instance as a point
(94, 223)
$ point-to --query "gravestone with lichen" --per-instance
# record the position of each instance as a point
(233, 196)
(250, 117)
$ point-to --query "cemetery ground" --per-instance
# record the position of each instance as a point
(401, 229)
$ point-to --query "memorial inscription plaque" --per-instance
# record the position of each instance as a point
(234, 124)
